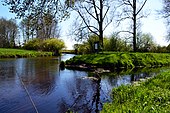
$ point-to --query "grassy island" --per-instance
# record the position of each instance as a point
(20, 53)
(151, 96)
(121, 60)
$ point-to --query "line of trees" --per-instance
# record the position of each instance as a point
(40, 18)
(93, 16)
(8, 33)
(115, 43)
(43, 26)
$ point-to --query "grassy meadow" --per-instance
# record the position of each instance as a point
(19, 53)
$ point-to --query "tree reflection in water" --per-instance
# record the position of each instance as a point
(83, 96)
(39, 75)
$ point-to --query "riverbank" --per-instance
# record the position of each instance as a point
(119, 60)
(151, 96)
(20, 53)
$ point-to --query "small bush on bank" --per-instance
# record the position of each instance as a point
(34, 44)
(51, 45)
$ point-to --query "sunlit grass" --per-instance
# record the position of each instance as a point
(15, 53)
(152, 96)
(120, 59)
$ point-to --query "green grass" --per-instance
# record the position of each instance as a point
(19, 53)
(122, 60)
(152, 96)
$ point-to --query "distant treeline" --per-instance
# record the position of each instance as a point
(116, 43)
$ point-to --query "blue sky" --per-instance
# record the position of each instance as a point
(4, 12)
(152, 24)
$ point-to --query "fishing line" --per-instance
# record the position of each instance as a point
(32, 102)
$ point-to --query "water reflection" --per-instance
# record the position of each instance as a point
(81, 95)
(57, 91)
(39, 75)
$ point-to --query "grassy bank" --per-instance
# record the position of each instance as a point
(152, 96)
(19, 53)
(122, 60)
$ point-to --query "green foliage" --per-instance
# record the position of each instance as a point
(152, 96)
(122, 60)
(34, 44)
(15, 53)
(145, 43)
(52, 44)
(114, 43)
(87, 46)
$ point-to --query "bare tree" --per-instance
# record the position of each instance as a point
(132, 10)
(43, 27)
(166, 14)
(93, 16)
(38, 15)
(8, 32)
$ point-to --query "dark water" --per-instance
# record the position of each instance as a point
(53, 90)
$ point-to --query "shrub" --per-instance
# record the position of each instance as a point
(52, 45)
(34, 44)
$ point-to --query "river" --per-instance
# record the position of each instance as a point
(30, 84)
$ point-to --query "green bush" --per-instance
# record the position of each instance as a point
(51, 45)
(34, 44)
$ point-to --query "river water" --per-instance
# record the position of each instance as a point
(39, 81)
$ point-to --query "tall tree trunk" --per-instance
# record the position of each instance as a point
(101, 24)
(134, 26)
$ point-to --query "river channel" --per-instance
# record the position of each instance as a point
(28, 85)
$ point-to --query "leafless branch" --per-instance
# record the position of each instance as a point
(125, 32)
(106, 12)
(141, 7)
(91, 14)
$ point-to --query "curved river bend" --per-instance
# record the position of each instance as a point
(53, 90)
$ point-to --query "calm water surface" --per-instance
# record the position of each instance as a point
(53, 90)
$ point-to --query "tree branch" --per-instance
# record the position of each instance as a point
(85, 22)
(90, 13)
(141, 7)
(106, 12)
(125, 32)
(97, 15)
